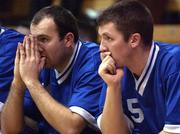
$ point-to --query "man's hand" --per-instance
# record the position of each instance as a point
(109, 73)
(30, 61)
(17, 78)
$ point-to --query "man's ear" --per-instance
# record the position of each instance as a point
(69, 39)
(135, 40)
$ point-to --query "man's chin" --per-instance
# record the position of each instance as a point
(119, 66)
(47, 65)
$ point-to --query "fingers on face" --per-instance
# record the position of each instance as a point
(32, 44)
(42, 62)
(17, 53)
(28, 50)
(104, 54)
(31, 48)
(111, 68)
(110, 64)
(36, 49)
(22, 52)
(27, 44)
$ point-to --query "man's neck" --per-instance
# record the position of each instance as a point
(65, 62)
(139, 61)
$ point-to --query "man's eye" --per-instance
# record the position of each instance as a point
(107, 38)
(43, 39)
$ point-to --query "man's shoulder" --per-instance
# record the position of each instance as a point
(9, 39)
(168, 61)
(89, 56)
(169, 52)
(89, 44)
(10, 33)
(90, 47)
(168, 48)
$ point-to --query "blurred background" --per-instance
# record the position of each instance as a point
(17, 14)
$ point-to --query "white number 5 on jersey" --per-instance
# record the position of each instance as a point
(140, 116)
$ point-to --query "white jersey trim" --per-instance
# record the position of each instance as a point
(1, 106)
(61, 76)
(171, 128)
(99, 121)
(2, 31)
(142, 81)
(85, 114)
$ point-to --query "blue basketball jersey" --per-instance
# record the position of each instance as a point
(8, 43)
(77, 87)
(152, 102)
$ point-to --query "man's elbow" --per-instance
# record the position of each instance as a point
(8, 131)
(76, 126)
(73, 131)
(70, 130)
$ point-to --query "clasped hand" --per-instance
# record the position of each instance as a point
(28, 62)
(109, 72)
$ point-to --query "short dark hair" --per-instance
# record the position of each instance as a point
(130, 16)
(63, 18)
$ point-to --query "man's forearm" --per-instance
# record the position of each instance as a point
(113, 120)
(60, 117)
(12, 115)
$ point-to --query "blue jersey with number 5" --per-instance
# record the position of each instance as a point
(152, 101)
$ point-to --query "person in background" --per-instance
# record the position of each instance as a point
(87, 29)
(8, 43)
(23, 27)
(65, 99)
(142, 76)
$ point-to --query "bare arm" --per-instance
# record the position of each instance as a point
(113, 120)
(13, 119)
(12, 114)
(59, 116)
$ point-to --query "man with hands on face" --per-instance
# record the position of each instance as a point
(30, 62)
(66, 99)
(142, 90)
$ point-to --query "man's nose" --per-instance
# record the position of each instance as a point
(103, 48)
(40, 46)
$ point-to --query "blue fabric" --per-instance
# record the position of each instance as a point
(8, 43)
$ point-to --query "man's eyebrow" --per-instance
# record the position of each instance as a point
(106, 34)
(42, 35)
